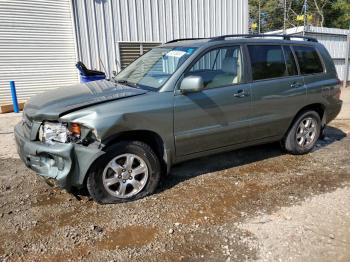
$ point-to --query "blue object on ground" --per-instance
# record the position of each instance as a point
(85, 79)
(14, 97)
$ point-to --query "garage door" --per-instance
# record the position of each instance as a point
(37, 48)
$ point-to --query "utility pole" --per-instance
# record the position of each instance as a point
(305, 13)
(346, 66)
(259, 30)
(285, 16)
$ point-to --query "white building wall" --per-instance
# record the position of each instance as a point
(101, 24)
(37, 47)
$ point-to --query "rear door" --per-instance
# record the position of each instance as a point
(313, 70)
(217, 116)
(278, 90)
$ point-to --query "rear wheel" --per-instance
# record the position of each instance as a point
(126, 172)
(303, 135)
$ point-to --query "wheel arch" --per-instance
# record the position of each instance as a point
(150, 138)
(317, 107)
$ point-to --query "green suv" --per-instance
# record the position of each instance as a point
(185, 99)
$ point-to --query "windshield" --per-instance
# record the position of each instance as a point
(155, 67)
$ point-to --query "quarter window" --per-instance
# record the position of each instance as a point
(219, 67)
(267, 61)
(309, 60)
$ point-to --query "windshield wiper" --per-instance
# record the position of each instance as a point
(125, 82)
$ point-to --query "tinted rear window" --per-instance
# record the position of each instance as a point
(267, 61)
(309, 60)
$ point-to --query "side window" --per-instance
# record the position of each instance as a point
(219, 67)
(267, 61)
(206, 62)
(309, 60)
(290, 61)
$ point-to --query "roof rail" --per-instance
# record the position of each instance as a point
(223, 37)
(185, 39)
(285, 37)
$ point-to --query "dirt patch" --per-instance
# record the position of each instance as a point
(132, 236)
(73, 255)
(267, 193)
(54, 198)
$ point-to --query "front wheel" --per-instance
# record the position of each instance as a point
(303, 135)
(126, 172)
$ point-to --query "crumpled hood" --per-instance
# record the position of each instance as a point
(52, 104)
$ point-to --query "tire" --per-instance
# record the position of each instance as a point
(298, 140)
(112, 179)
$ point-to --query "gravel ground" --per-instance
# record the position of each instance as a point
(316, 230)
(250, 204)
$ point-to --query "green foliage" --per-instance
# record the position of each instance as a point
(340, 17)
(327, 13)
(270, 14)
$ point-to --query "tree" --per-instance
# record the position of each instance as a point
(328, 13)
(339, 16)
(320, 6)
(315, 9)
(270, 14)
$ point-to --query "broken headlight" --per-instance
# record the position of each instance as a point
(51, 132)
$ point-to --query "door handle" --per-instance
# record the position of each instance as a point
(240, 93)
(296, 85)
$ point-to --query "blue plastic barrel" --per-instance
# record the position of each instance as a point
(85, 79)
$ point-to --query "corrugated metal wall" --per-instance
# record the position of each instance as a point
(101, 24)
(37, 47)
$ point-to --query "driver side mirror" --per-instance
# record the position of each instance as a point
(191, 84)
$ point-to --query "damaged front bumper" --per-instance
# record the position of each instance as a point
(67, 163)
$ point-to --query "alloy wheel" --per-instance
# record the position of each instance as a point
(125, 175)
(306, 132)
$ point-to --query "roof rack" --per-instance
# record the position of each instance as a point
(184, 39)
(284, 37)
(223, 37)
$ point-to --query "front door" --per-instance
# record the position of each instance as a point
(217, 116)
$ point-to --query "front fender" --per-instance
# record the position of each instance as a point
(151, 112)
